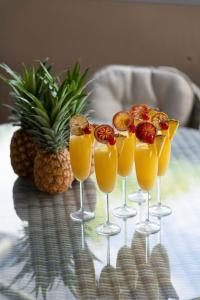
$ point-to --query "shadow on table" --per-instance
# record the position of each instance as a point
(54, 258)
(53, 250)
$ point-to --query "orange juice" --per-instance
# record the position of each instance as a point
(164, 158)
(146, 164)
(126, 150)
(105, 160)
(80, 148)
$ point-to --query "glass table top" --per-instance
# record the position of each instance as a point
(45, 255)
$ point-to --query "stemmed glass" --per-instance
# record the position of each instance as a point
(146, 163)
(126, 149)
(106, 160)
(161, 210)
(80, 148)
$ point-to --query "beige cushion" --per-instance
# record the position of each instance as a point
(118, 87)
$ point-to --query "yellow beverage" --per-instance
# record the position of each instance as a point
(146, 164)
(105, 160)
(126, 150)
(80, 148)
(164, 158)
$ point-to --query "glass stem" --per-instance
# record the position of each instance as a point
(124, 191)
(82, 236)
(125, 232)
(107, 210)
(158, 190)
(147, 219)
(81, 196)
(147, 249)
(108, 251)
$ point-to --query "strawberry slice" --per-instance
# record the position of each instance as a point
(121, 120)
(104, 134)
(146, 132)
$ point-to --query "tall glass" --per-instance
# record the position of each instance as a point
(146, 164)
(126, 150)
(161, 210)
(106, 160)
(80, 148)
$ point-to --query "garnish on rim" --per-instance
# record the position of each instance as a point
(160, 120)
(79, 125)
(121, 120)
(139, 111)
(146, 132)
(105, 134)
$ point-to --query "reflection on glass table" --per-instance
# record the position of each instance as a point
(43, 253)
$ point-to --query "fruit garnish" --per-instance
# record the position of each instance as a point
(131, 128)
(87, 130)
(121, 120)
(139, 111)
(104, 134)
(164, 125)
(159, 142)
(77, 124)
(146, 132)
(160, 120)
(111, 140)
(152, 112)
(173, 125)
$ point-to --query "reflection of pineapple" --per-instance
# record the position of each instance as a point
(23, 149)
(49, 125)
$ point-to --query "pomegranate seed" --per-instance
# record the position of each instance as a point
(131, 128)
(164, 125)
(87, 130)
(145, 116)
(150, 139)
(111, 140)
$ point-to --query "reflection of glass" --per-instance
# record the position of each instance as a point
(126, 149)
(80, 148)
(161, 210)
(105, 159)
(159, 260)
(108, 282)
(146, 164)
(126, 269)
(53, 248)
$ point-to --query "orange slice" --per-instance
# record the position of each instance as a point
(160, 120)
(152, 112)
(159, 142)
(173, 125)
(146, 132)
(121, 120)
(139, 111)
(104, 134)
(77, 124)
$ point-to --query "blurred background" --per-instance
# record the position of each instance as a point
(99, 33)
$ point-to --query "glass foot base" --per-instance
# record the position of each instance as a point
(124, 212)
(82, 216)
(160, 211)
(108, 229)
(139, 197)
(147, 227)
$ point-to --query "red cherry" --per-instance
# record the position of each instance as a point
(144, 116)
(131, 128)
(164, 125)
(150, 139)
(111, 140)
(87, 130)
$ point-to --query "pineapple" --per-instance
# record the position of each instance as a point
(23, 148)
(49, 125)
